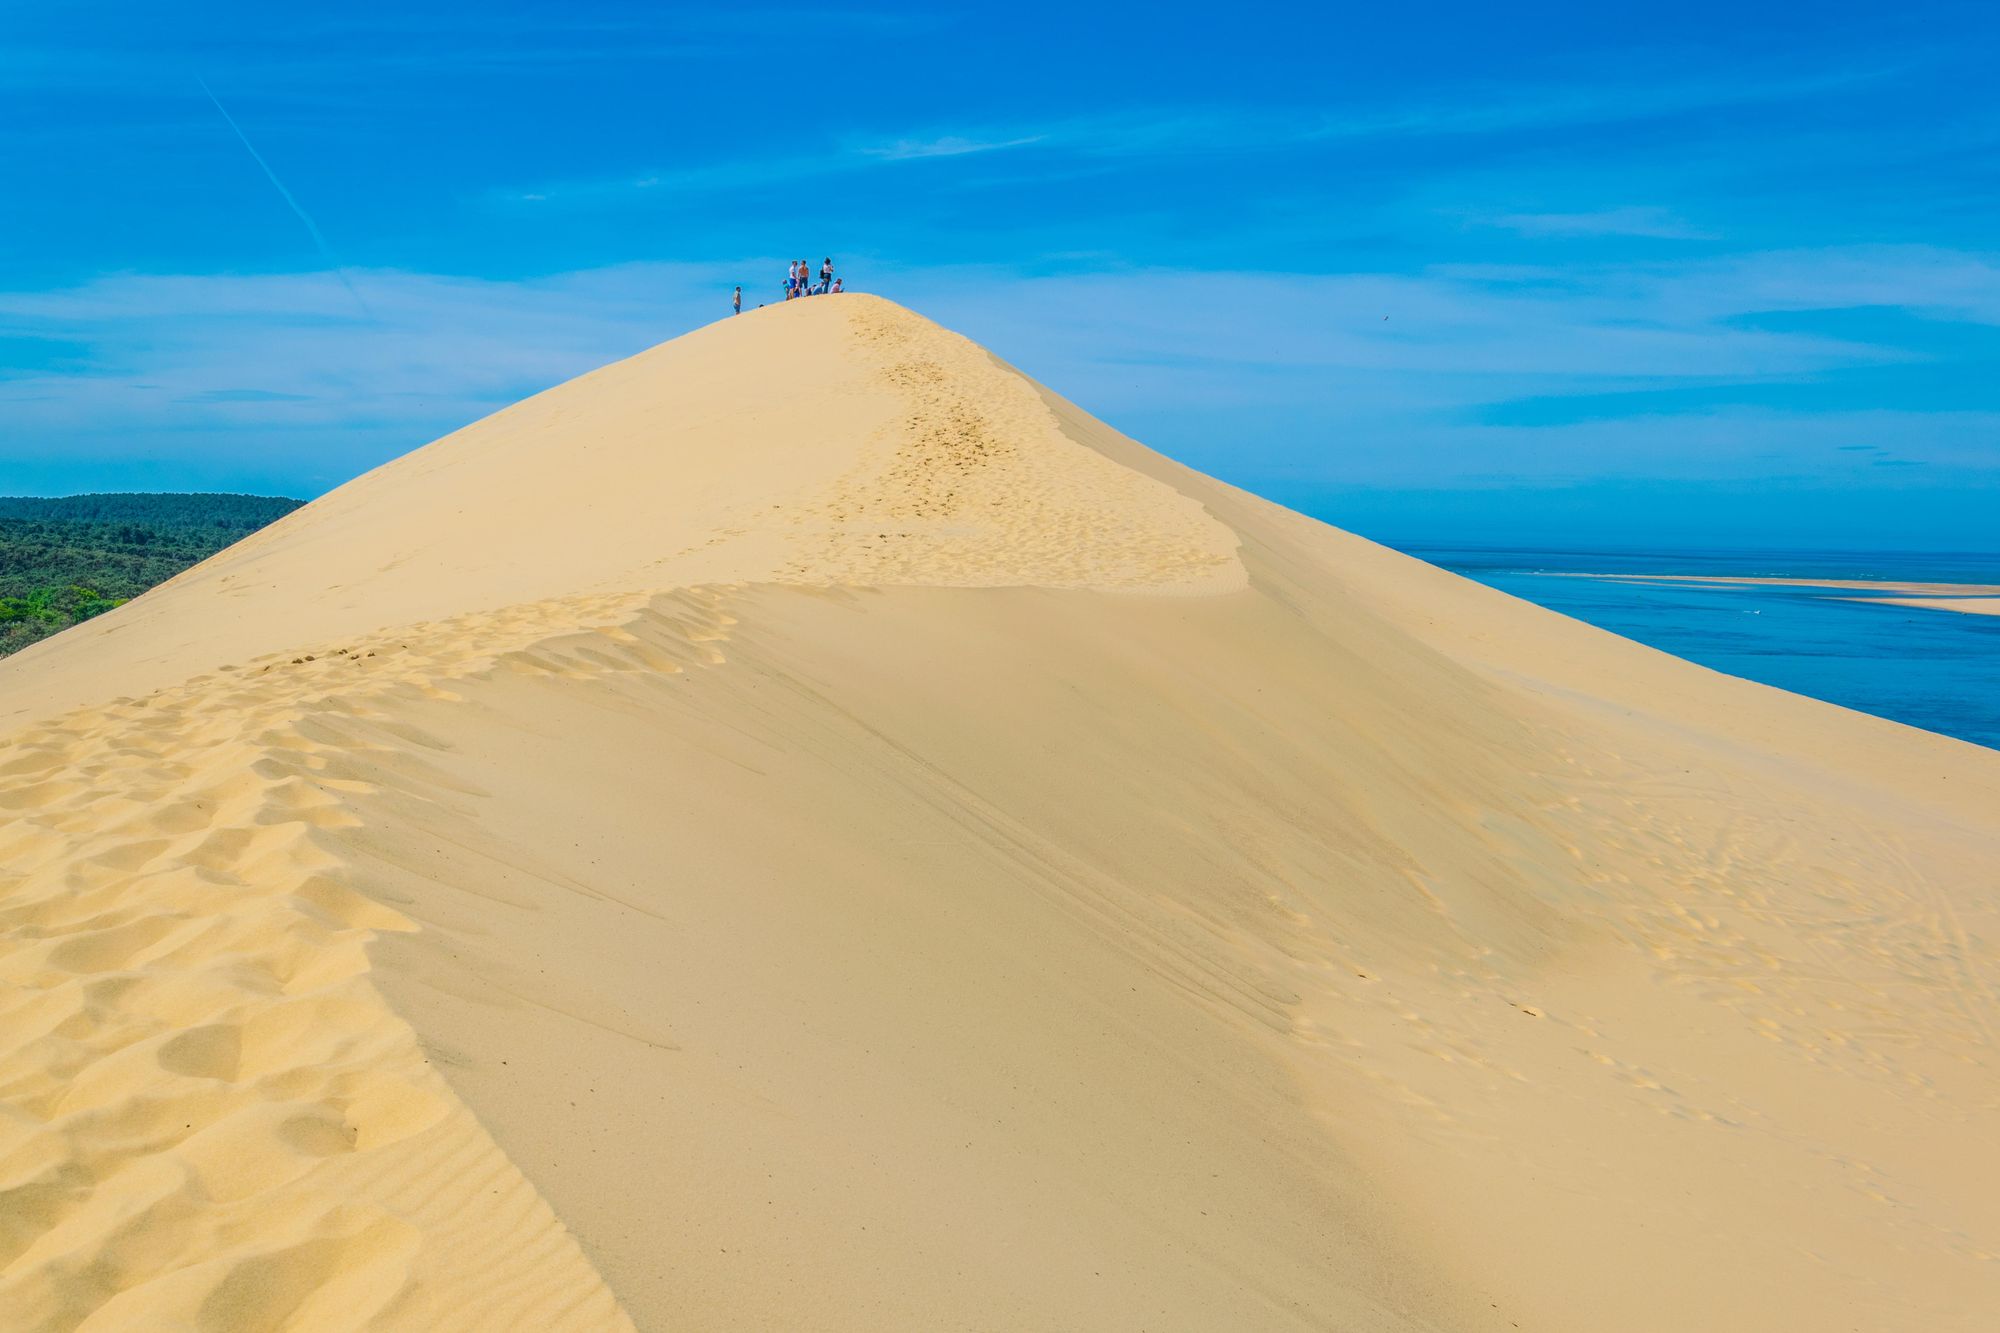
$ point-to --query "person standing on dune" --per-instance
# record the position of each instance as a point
(736, 301)
(826, 275)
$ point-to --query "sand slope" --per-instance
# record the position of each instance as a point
(804, 828)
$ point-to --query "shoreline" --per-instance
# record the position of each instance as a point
(1943, 590)
(1965, 606)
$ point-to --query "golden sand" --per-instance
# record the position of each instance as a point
(1971, 606)
(806, 829)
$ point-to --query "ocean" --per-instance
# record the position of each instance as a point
(1939, 670)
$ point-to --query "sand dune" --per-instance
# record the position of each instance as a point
(806, 829)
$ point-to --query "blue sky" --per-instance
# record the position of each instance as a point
(1536, 272)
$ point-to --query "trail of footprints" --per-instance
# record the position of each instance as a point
(979, 486)
(1824, 948)
(209, 1118)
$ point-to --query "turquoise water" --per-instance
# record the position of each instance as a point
(1939, 670)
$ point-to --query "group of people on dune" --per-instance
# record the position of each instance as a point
(799, 282)
(799, 279)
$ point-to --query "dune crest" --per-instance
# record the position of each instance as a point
(837, 442)
(806, 828)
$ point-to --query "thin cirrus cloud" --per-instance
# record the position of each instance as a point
(1648, 223)
(950, 145)
(1184, 132)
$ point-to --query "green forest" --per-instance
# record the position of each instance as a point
(67, 559)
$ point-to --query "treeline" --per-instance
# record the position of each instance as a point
(69, 558)
(156, 509)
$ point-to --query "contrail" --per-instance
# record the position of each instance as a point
(326, 251)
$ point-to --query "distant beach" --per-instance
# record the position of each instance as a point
(1860, 629)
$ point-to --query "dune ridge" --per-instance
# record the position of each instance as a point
(215, 1121)
(839, 445)
(807, 828)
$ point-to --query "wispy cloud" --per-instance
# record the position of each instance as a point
(1499, 109)
(950, 145)
(1243, 373)
(1191, 133)
(1927, 280)
(1646, 222)
(186, 377)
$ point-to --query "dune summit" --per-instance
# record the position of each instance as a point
(804, 828)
